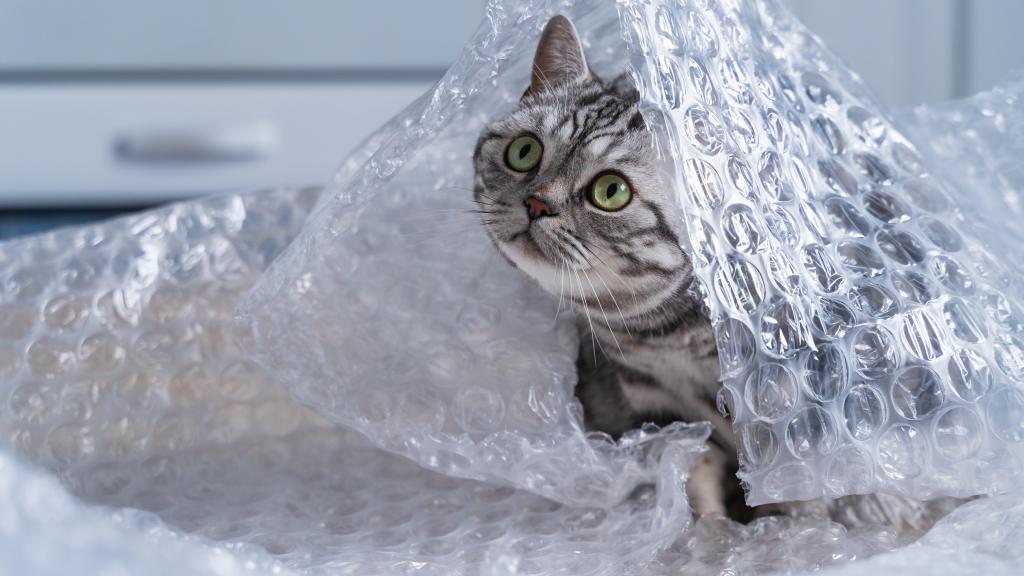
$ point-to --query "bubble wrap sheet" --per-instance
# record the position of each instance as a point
(869, 338)
(398, 401)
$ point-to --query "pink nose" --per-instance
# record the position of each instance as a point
(535, 208)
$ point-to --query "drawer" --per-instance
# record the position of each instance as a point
(234, 34)
(134, 144)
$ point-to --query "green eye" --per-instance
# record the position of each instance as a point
(610, 192)
(524, 154)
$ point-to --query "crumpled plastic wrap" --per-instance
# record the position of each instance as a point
(398, 401)
(868, 337)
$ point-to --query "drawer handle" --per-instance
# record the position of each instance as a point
(195, 146)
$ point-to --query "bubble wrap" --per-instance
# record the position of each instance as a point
(868, 337)
(398, 401)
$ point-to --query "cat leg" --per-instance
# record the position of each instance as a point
(706, 487)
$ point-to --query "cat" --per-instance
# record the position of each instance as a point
(570, 188)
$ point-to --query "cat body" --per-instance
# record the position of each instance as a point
(570, 191)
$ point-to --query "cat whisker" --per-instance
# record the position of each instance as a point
(616, 275)
(608, 288)
(614, 301)
(561, 288)
(586, 310)
(607, 322)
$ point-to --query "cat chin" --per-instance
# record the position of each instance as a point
(526, 254)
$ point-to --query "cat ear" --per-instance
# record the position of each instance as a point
(559, 57)
(623, 86)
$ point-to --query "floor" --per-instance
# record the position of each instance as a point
(15, 223)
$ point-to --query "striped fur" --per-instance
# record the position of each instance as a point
(648, 353)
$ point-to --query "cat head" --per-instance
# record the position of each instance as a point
(569, 190)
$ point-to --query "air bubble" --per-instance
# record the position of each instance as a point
(703, 38)
(668, 29)
(958, 433)
(922, 335)
(850, 472)
(825, 373)
(874, 168)
(811, 433)
(735, 345)
(782, 226)
(917, 393)
(832, 318)
(703, 238)
(725, 401)
(703, 183)
(736, 82)
(783, 328)
(1010, 356)
(907, 158)
(742, 230)
(706, 90)
(769, 168)
(838, 177)
(964, 322)
(773, 127)
(820, 91)
(739, 285)
(874, 300)
(864, 412)
(868, 128)
(969, 375)
(783, 274)
(704, 130)
(886, 207)
(793, 481)
(668, 77)
(900, 246)
(952, 275)
(1006, 414)
(740, 177)
(822, 269)
(999, 310)
(875, 353)
(760, 446)
(771, 391)
(846, 218)
(815, 223)
(915, 287)
(902, 452)
(830, 134)
(861, 259)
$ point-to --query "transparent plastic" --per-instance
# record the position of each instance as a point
(398, 400)
(868, 337)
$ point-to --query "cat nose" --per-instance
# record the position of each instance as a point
(535, 208)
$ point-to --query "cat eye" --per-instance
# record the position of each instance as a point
(609, 192)
(523, 154)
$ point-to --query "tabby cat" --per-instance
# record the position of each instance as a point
(570, 188)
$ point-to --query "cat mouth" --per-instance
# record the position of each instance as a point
(525, 241)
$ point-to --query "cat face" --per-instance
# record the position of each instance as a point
(569, 188)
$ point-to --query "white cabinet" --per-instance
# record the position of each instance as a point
(129, 102)
(399, 35)
(122, 102)
(914, 51)
(134, 144)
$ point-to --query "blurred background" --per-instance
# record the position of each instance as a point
(108, 106)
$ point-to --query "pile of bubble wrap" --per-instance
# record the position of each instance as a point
(352, 381)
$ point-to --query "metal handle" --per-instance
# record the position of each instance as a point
(196, 146)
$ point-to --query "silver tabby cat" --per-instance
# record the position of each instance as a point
(570, 191)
